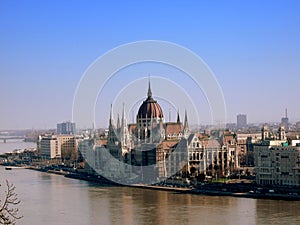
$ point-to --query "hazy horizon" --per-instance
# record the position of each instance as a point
(252, 48)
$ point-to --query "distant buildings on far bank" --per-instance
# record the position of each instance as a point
(66, 128)
(241, 121)
(243, 125)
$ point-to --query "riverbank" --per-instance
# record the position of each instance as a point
(272, 196)
(160, 188)
(240, 190)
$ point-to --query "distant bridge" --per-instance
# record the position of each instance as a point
(11, 137)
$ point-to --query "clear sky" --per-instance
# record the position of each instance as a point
(252, 47)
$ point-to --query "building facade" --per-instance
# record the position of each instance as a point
(58, 146)
(66, 128)
(241, 121)
(155, 149)
(277, 162)
(169, 148)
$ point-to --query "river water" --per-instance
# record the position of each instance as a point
(12, 144)
(53, 199)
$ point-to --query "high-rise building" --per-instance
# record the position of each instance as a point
(241, 121)
(285, 120)
(66, 128)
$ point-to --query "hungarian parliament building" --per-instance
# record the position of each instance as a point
(152, 149)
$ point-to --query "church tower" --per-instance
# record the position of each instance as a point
(281, 133)
(265, 134)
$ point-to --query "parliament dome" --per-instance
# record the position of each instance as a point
(150, 108)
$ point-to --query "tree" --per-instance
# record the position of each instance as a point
(8, 210)
(201, 177)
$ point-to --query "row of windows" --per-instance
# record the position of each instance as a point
(196, 156)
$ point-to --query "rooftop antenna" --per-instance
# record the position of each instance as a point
(169, 115)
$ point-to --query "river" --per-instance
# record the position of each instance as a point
(12, 144)
(53, 199)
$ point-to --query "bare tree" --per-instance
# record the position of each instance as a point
(8, 209)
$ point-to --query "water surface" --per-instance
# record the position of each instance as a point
(52, 199)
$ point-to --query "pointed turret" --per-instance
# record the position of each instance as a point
(186, 124)
(178, 117)
(111, 120)
(118, 122)
(112, 137)
(124, 124)
(186, 130)
(124, 130)
(149, 90)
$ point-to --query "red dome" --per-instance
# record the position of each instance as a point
(150, 109)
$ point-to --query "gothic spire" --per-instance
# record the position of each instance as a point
(123, 117)
(186, 125)
(118, 122)
(111, 120)
(124, 130)
(178, 117)
(149, 89)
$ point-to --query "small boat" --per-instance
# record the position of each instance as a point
(8, 168)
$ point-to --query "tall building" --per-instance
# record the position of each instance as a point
(241, 121)
(66, 128)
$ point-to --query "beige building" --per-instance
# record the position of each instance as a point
(277, 162)
(198, 155)
(58, 146)
(47, 146)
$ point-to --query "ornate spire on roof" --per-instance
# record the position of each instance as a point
(118, 122)
(186, 124)
(124, 130)
(123, 117)
(149, 89)
(178, 117)
(111, 120)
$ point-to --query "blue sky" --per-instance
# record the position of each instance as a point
(252, 47)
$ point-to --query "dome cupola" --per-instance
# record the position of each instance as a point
(150, 108)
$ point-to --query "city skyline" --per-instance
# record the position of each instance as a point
(252, 49)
